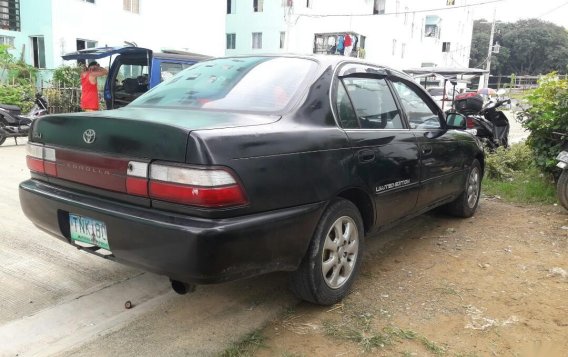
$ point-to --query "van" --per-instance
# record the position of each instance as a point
(134, 70)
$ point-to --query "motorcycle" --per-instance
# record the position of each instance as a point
(486, 121)
(15, 125)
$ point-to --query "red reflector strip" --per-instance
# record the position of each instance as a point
(197, 196)
(137, 186)
(35, 165)
(50, 168)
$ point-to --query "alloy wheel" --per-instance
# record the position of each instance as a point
(340, 252)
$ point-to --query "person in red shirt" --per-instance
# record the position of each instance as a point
(89, 91)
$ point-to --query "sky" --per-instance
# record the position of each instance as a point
(555, 11)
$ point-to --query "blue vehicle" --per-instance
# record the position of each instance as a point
(135, 70)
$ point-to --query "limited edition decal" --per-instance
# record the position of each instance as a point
(390, 186)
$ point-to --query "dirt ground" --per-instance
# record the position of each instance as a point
(492, 285)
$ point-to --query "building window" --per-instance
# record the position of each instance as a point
(432, 26)
(450, 2)
(90, 1)
(231, 6)
(445, 47)
(258, 5)
(379, 7)
(10, 15)
(393, 47)
(231, 41)
(83, 44)
(131, 5)
(7, 41)
(38, 50)
(282, 39)
(308, 3)
(257, 40)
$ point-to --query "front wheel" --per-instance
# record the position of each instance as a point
(466, 203)
(562, 189)
(332, 261)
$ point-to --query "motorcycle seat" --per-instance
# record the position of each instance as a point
(13, 109)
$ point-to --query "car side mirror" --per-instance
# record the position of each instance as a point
(456, 121)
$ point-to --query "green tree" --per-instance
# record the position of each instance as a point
(528, 47)
(548, 114)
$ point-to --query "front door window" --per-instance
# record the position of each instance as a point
(421, 113)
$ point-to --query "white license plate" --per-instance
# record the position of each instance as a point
(88, 230)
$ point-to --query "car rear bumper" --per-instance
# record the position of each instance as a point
(189, 249)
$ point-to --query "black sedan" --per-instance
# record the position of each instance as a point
(246, 165)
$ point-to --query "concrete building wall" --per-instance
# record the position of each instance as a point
(35, 20)
(195, 26)
(395, 38)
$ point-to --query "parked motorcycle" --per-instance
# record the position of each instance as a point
(15, 125)
(486, 121)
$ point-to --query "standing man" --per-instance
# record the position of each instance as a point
(89, 91)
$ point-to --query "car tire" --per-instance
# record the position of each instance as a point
(465, 205)
(333, 259)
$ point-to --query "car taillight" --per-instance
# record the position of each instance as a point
(469, 123)
(212, 188)
(137, 178)
(41, 159)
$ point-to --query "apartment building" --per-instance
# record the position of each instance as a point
(40, 31)
(398, 33)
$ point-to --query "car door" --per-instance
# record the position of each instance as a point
(441, 155)
(385, 150)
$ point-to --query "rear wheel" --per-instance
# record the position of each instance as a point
(466, 203)
(562, 189)
(332, 261)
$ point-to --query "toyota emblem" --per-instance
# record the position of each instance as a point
(89, 136)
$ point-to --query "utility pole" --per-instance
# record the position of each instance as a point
(490, 51)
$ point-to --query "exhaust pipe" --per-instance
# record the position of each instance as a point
(181, 287)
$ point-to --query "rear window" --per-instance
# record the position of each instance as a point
(263, 84)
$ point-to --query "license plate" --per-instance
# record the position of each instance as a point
(88, 230)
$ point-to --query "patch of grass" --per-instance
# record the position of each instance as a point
(246, 346)
(522, 187)
(432, 346)
(412, 335)
(368, 340)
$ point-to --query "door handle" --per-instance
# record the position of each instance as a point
(366, 156)
(426, 149)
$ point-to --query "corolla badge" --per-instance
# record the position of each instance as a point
(89, 136)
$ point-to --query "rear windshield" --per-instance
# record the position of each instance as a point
(263, 84)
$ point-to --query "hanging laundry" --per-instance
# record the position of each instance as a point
(347, 42)
(340, 45)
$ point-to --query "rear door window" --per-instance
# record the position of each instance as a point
(375, 107)
(421, 112)
(170, 69)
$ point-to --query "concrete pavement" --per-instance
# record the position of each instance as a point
(56, 300)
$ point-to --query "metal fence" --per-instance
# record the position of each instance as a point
(62, 99)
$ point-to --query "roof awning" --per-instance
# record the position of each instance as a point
(444, 71)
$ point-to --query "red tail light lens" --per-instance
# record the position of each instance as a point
(137, 178)
(211, 188)
(41, 159)
(469, 123)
